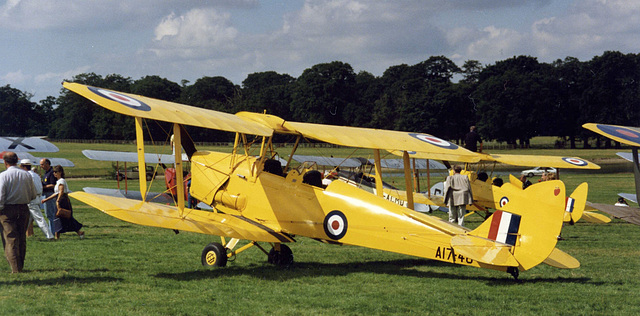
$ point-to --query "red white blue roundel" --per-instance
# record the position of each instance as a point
(335, 225)
(621, 132)
(503, 201)
(121, 98)
(434, 140)
(575, 161)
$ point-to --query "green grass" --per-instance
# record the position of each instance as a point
(121, 268)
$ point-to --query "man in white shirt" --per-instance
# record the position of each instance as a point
(34, 205)
(16, 191)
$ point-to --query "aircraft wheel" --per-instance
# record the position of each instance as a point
(214, 255)
(282, 258)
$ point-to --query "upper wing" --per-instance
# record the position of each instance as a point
(623, 134)
(383, 139)
(26, 144)
(165, 216)
(545, 161)
(139, 106)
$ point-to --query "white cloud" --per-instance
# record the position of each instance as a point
(16, 77)
(197, 33)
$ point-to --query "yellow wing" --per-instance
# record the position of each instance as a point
(139, 106)
(545, 161)
(623, 134)
(165, 216)
(383, 139)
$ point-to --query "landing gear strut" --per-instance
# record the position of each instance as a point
(514, 272)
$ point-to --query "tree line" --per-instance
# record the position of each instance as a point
(510, 101)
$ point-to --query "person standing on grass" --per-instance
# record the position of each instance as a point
(48, 187)
(457, 194)
(34, 205)
(61, 224)
(16, 191)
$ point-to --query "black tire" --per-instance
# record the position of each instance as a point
(282, 258)
(119, 177)
(214, 255)
(530, 175)
(149, 177)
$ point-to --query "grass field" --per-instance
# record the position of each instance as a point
(121, 268)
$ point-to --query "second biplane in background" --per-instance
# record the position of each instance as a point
(24, 146)
(255, 199)
(628, 136)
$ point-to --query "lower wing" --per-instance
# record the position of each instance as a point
(166, 216)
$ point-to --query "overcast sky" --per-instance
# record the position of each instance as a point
(46, 41)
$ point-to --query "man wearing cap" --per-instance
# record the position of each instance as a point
(34, 205)
(48, 185)
(16, 191)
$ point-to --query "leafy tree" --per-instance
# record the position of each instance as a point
(16, 112)
(323, 92)
(268, 91)
(162, 89)
(513, 95)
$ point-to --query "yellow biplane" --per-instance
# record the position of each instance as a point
(482, 187)
(256, 199)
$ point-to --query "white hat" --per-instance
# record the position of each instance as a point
(25, 161)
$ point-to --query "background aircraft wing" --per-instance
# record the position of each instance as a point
(328, 161)
(54, 161)
(627, 156)
(629, 197)
(623, 134)
(419, 164)
(26, 144)
(139, 106)
(166, 216)
(544, 161)
(626, 213)
(151, 158)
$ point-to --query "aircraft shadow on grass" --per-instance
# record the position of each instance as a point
(401, 267)
(62, 280)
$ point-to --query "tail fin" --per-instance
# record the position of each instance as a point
(527, 223)
(574, 208)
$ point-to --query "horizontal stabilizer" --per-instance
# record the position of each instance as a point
(595, 218)
(625, 213)
(484, 250)
(562, 260)
(166, 216)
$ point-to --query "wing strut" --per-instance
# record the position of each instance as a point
(378, 175)
(407, 179)
(636, 169)
(142, 167)
(177, 138)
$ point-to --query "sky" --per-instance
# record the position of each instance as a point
(47, 41)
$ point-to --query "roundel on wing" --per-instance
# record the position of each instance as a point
(434, 141)
(575, 161)
(503, 201)
(121, 98)
(335, 225)
(621, 132)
